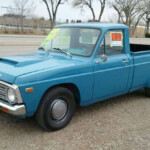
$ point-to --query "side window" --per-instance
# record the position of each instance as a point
(112, 44)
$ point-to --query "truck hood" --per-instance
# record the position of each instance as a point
(14, 66)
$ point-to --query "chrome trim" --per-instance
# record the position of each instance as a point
(14, 110)
(16, 89)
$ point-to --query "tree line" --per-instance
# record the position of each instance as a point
(130, 12)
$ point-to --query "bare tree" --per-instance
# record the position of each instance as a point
(89, 4)
(22, 9)
(52, 8)
(130, 12)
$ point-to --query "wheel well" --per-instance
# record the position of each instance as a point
(70, 87)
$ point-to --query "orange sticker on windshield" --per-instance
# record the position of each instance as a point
(116, 36)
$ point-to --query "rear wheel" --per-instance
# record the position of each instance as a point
(56, 109)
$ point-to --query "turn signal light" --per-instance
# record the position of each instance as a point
(29, 90)
(4, 109)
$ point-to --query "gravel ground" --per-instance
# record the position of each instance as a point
(121, 123)
(14, 50)
(21, 40)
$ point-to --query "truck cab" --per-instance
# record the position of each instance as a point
(76, 63)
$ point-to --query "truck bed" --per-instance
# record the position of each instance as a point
(139, 47)
(141, 66)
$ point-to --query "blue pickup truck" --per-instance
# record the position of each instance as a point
(76, 63)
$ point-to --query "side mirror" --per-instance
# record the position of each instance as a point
(104, 58)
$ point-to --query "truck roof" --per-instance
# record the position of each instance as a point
(95, 25)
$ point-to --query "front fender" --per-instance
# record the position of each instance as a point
(84, 83)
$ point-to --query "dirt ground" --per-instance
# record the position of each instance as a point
(121, 123)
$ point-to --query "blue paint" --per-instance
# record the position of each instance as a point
(95, 82)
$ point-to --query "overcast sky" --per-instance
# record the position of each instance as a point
(66, 11)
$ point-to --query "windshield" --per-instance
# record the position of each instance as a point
(74, 41)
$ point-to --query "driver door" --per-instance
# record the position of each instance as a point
(111, 67)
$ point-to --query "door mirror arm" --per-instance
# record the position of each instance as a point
(104, 58)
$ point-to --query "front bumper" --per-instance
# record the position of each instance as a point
(16, 110)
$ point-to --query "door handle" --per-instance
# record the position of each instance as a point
(125, 61)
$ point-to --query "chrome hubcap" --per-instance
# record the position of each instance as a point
(59, 109)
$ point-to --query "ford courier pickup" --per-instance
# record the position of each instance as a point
(76, 63)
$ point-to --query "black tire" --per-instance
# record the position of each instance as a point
(44, 115)
(147, 92)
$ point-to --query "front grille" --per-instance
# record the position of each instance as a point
(3, 92)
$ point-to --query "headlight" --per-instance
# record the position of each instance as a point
(11, 96)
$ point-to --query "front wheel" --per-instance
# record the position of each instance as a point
(56, 109)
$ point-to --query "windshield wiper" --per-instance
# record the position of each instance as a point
(59, 49)
(44, 49)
